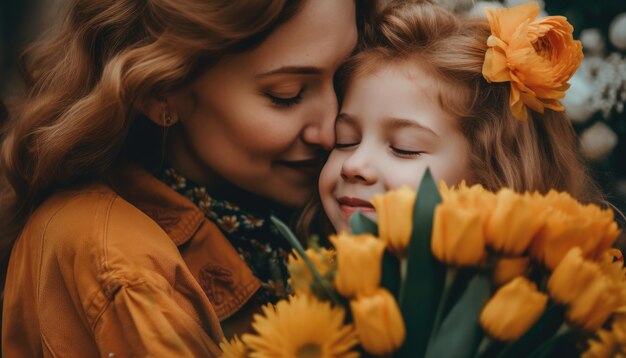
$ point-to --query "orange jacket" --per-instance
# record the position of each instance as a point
(132, 271)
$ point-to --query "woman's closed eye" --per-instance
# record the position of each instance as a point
(285, 100)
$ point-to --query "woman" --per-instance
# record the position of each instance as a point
(139, 172)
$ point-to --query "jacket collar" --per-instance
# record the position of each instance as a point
(175, 214)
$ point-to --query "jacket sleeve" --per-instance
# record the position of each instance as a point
(141, 319)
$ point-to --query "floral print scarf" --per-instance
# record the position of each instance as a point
(253, 235)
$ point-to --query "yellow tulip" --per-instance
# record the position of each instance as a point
(300, 274)
(394, 212)
(458, 237)
(513, 310)
(591, 296)
(507, 269)
(572, 276)
(359, 259)
(378, 322)
(514, 222)
(595, 304)
(569, 224)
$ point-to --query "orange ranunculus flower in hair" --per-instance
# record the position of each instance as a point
(513, 309)
(394, 211)
(538, 57)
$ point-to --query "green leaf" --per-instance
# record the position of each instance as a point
(421, 289)
(391, 274)
(545, 327)
(361, 224)
(460, 333)
(320, 281)
(562, 345)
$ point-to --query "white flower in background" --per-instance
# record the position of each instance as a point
(511, 3)
(478, 11)
(577, 101)
(459, 6)
(617, 31)
(597, 141)
(593, 41)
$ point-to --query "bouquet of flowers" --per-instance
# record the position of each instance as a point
(454, 272)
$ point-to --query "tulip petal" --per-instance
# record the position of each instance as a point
(509, 18)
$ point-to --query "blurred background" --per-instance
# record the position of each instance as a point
(595, 102)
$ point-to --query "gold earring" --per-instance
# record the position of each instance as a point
(167, 118)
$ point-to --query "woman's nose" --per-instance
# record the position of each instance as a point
(320, 131)
(359, 168)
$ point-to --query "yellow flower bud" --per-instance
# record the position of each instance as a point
(572, 276)
(569, 224)
(394, 213)
(514, 222)
(359, 260)
(378, 322)
(595, 304)
(301, 276)
(513, 310)
(509, 268)
(458, 237)
(591, 296)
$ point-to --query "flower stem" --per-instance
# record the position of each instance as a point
(291, 238)
(451, 275)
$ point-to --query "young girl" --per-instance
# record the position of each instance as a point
(428, 91)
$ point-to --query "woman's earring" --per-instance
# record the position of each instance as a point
(167, 118)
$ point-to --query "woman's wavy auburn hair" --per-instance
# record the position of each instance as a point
(537, 155)
(86, 85)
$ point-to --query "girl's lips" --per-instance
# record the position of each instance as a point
(351, 205)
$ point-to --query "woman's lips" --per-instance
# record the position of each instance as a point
(308, 166)
(350, 205)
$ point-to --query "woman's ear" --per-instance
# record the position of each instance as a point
(167, 111)
(160, 112)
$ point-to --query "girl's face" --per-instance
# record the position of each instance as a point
(261, 120)
(391, 127)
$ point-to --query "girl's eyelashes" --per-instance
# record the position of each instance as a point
(285, 102)
(406, 153)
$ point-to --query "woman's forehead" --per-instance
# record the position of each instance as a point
(322, 34)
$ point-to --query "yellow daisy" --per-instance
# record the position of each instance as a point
(233, 348)
(302, 327)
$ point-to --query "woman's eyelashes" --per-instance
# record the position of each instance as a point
(285, 100)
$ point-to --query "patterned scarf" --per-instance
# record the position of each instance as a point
(254, 236)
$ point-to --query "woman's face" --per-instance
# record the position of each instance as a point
(390, 129)
(262, 120)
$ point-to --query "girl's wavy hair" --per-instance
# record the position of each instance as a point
(540, 154)
(86, 84)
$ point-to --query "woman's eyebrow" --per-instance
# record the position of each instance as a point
(301, 70)
(395, 123)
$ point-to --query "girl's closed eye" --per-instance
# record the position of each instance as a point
(406, 153)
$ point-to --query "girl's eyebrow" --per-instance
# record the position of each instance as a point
(397, 123)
